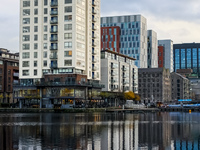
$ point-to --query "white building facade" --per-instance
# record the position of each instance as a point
(119, 73)
(168, 53)
(59, 36)
(133, 36)
(152, 49)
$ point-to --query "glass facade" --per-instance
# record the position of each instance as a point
(187, 56)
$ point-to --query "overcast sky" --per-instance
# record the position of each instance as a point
(178, 20)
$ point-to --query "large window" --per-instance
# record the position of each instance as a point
(68, 27)
(26, 3)
(26, 55)
(68, 44)
(25, 72)
(26, 46)
(68, 62)
(44, 54)
(45, 63)
(35, 2)
(182, 58)
(25, 64)
(68, 53)
(45, 2)
(68, 1)
(26, 37)
(35, 11)
(35, 54)
(35, 19)
(68, 9)
(68, 18)
(26, 12)
(35, 63)
(177, 59)
(189, 58)
(26, 20)
(35, 28)
(35, 37)
(26, 29)
(194, 58)
(68, 35)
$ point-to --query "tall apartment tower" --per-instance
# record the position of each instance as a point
(59, 36)
(133, 36)
(152, 49)
(167, 53)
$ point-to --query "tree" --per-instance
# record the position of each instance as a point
(129, 95)
(137, 97)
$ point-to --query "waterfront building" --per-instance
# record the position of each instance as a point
(133, 36)
(167, 51)
(119, 73)
(187, 56)
(60, 39)
(9, 74)
(152, 49)
(180, 87)
(154, 84)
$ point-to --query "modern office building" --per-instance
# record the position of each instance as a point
(59, 38)
(154, 84)
(9, 74)
(180, 87)
(152, 49)
(119, 74)
(187, 56)
(168, 53)
(110, 38)
(133, 36)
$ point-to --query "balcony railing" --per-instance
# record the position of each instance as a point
(53, 31)
(53, 66)
(53, 39)
(16, 74)
(54, 4)
(53, 47)
(54, 21)
(54, 12)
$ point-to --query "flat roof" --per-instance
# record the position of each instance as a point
(122, 55)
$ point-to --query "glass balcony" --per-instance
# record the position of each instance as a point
(54, 39)
(53, 47)
(54, 21)
(54, 4)
(54, 12)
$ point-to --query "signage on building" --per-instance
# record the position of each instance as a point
(185, 100)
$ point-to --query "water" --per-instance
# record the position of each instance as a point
(59, 131)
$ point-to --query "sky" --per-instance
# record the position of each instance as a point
(178, 20)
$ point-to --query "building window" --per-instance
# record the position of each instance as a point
(45, 37)
(26, 37)
(68, 63)
(26, 46)
(35, 2)
(26, 3)
(68, 1)
(35, 72)
(68, 35)
(45, 28)
(35, 11)
(35, 19)
(35, 63)
(68, 18)
(26, 29)
(35, 54)
(45, 19)
(45, 11)
(25, 64)
(26, 55)
(44, 54)
(35, 37)
(25, 72)
(35, 28)
(26, 12)
(68, 9)
(26, 20)
(68, 27)
(35, 46)
(68, 53)
(45, 2)
(45, 45)
(68, 44)
(45, 63)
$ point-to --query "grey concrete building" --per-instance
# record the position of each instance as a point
(154, 84)
(180, 87)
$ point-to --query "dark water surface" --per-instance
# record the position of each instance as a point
(57, 131)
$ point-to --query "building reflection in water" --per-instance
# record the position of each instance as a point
(160, 131)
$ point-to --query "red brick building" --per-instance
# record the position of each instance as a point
(110, 38)
(160, 56)
(9, 74)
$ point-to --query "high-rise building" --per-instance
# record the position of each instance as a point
(187, 56)
(133, 36)
(161, 56)
(59, 43)
(168, 53)
(152, 49)
(59, 37)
